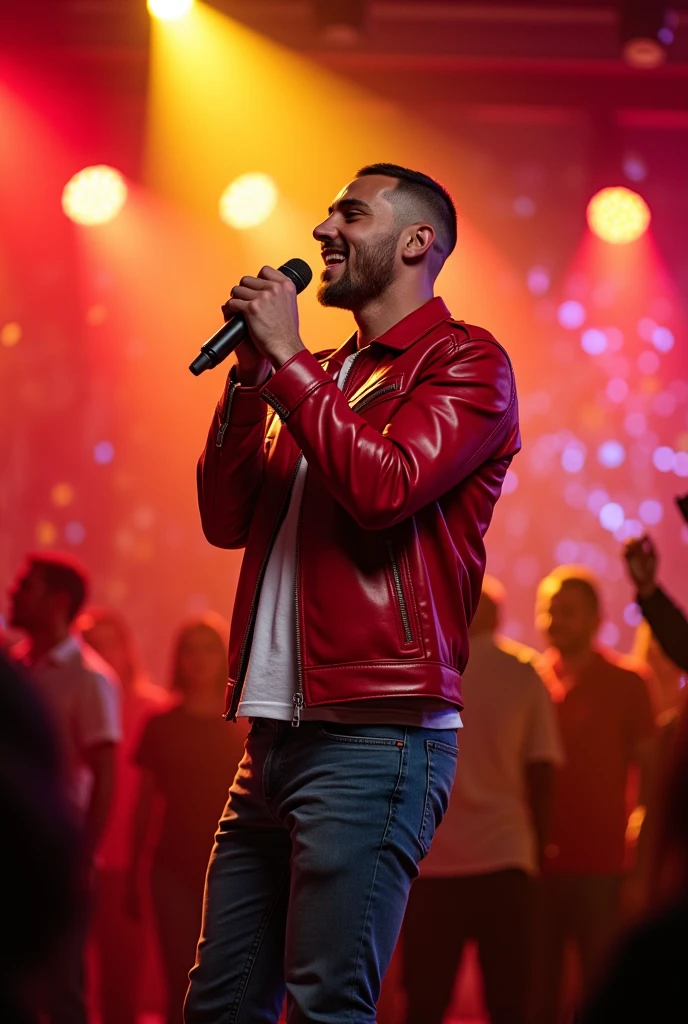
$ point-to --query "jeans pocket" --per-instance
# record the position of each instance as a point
(440, 771)
(366, 735)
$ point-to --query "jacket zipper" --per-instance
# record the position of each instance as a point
(298, 699)
(259, 582)
(401, 600)
(373, 395)
(226, 413)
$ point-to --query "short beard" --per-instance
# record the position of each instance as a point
(375, 268)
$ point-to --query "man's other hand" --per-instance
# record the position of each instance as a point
(641, 560)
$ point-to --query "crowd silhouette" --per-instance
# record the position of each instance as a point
(567, 829)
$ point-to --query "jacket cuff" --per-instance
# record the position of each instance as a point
(248, 407)
(294, 382)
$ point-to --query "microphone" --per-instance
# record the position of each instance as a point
(224, 341)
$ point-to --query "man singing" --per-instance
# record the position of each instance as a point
(361, 483)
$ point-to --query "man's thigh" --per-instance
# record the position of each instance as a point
(362, 805)
(238, 977)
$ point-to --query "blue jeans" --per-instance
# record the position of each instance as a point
(313, 861)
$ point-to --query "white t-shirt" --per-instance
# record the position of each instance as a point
(509, 722)
(272, 675)
(81, 694)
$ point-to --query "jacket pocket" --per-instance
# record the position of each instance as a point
(403, 605)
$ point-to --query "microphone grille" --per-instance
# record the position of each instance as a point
(297, 271)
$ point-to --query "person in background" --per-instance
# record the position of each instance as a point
(667, 621)
(40, 893)
(188, 757)
(646, 979)
(117, 938)
(607, 722)
(477, 880)
(82, 697)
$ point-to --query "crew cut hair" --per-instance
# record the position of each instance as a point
(578, 576)
(431, 199)
(63, 574)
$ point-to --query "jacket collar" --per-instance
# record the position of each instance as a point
(402, 335)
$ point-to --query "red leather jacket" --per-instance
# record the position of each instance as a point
(404, 469)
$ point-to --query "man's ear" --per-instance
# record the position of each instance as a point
(419, 239)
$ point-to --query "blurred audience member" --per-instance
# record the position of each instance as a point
(647, 978)
(476, 882)
(606, 722)
(188, 757)
(40, 844)
(117, 938)
(667, 621)
(82, 696)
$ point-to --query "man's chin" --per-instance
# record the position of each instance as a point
(330, 295)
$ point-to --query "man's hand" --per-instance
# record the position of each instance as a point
(641, 561)
(269, 304)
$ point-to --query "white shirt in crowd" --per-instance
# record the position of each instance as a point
(272, 676)
(81, 694)
(508, 723)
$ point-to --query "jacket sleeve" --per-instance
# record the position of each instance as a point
(669, 625)
(461, 412)
(230, 470)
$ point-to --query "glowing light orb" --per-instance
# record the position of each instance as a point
(169, 10)
(611, 454)
(248, 201)
(104, 452)
(650, 512)
(95, 195)
(571, 315)
(618, 215)
(62, 495)
(10, 335)
(593, 342)
(611, 516)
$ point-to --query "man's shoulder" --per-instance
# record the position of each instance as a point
(622, 668)
(95, 669)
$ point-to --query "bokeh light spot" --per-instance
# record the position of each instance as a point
(248, 201)
(538, 280)
(634, 167)
(575, 495)
(571, 315)
(611, 454)
(62, 495)
(618, 215)
(593, 341)
(169, 10)
(46, 533)
(611, 516)
(75, 532)
(95, 195)
(664, 404)
(96, 315)
(608, 634)
(10, 335)
(596, 499)
(646, 328)
(103, 452)
(651, 512)
(635, 424)
(566, 551)
(510, 482)
(617, 390)
(573, 457)
(648, 362)
(681, 464)
(524, 206)
(663, 458)
(662, 339)
(632, 615)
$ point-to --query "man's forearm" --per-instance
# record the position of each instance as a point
(668, 624)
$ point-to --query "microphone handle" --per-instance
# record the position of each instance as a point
(221, 345)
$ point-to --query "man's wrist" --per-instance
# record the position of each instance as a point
(253, 376)
(283, 353)
(646, 590)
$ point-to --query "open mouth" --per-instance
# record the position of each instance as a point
(333, 257)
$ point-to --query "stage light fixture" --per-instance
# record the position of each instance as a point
(341, 22)
(169, 10)
(95, 195)
(618, 215)
(248, 200)
(646, 30)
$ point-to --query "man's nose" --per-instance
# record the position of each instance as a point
(325, 231)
